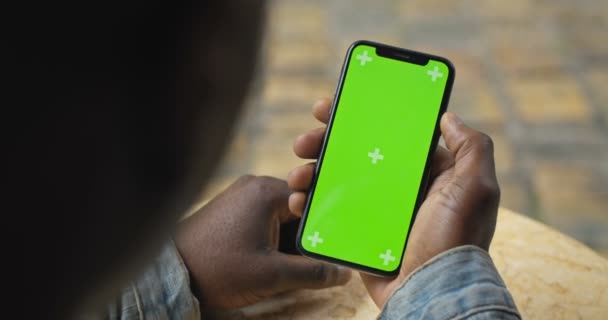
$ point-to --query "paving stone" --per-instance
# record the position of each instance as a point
(574, 199)
(298, 57)
(514, 193)
(524, 49)
(295, 20)
(503, 153)
(283, 91)
(598, 82)
(539, 101)
(563, 140)
(583, 34)
(274, 157)
(513, 10)
(424, 9)
(472, 97)
(237, 157)
(289, 122)
(274, 145)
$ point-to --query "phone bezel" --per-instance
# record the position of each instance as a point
(401, 55)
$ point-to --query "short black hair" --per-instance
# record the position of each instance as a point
(129, 104)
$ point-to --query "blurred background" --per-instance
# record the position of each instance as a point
(532, 74)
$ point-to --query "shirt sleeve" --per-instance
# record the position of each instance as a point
(462, 283)
(161, 292)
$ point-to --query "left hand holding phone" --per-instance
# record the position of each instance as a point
(230, 247)
(461, 203)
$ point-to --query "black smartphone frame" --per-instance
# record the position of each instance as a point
(396, 53)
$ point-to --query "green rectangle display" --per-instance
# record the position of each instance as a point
(364, 197)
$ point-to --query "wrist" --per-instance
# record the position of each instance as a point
(195, 288)
(407, 276)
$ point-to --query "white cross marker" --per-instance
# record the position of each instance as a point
(375, 155)
(387, 257)
(435, 73)
(315, 239)
(364, 58)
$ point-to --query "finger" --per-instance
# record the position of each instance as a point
(298, 272)
(308, 145)
(275, 194)
(442, 160)
(472, 150)
(296, 203)
(321, 108)
(299, 179)
(285, 214)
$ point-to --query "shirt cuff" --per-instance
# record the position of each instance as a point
(161, 292)
(461, 283)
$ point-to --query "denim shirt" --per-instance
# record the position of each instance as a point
(161, 292)
(461, 283)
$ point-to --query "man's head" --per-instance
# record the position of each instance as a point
(134, 105)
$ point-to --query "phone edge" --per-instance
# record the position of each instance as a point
(424, 181)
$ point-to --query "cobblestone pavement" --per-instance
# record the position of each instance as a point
(532, 74)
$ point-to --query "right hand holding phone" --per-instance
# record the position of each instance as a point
(461, 203)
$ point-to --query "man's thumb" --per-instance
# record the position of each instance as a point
(472, 150)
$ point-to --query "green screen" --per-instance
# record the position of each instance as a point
(374, 160)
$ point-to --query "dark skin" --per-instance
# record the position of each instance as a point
(230, 246)
(128, 106)
(460, 207)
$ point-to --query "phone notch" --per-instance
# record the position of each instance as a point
(402, 55)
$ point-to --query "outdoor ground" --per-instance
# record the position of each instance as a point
(532, 74)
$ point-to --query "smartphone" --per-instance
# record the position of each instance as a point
(371, 175)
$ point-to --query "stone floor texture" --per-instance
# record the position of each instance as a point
(532, 74)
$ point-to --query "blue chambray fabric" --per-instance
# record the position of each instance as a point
(161, 292)
(461, 283)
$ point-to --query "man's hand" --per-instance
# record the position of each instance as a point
(230, 247)
(461, 203)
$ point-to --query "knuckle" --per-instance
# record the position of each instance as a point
(479, 145)
(267, 188)
(246, 178)
(481, 140)
(319, 272)
(488, 188)
(267, 180)
(257, 186)
(450, 197)
(265, 183)
(257, 182)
